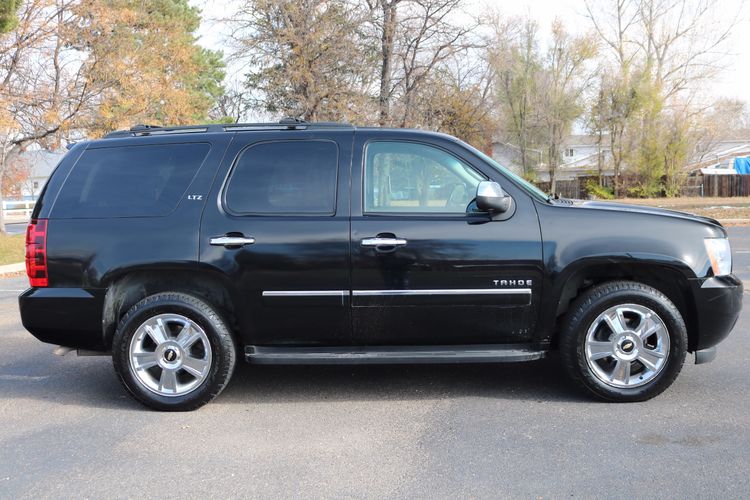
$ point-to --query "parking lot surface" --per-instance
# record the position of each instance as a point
(68, 429)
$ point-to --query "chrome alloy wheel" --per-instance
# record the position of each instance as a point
(170, 355)
(627, 346)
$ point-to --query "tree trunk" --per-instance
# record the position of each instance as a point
(552, 168)
(599, 159)
(3, 162)
(2, 212)
(386, 42)
(553, 153)
(552, 181)
(616, 158)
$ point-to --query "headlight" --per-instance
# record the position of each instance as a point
(720, 255)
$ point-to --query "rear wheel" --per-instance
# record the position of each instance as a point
(172, 351)
(624, 341)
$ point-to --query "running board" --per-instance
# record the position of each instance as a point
(391, 354)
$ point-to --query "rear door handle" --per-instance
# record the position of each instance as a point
(231, 241)
(383, 242)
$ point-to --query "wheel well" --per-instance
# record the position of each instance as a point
(130, 289)
(668, 281)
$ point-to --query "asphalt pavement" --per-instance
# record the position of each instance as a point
(67, 429)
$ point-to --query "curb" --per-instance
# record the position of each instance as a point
(734, 222)
(11, 269)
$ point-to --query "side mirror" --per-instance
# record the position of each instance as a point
(491, 198)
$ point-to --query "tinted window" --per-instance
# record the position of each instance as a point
(129, 181)
(286, 177)
(407, 177)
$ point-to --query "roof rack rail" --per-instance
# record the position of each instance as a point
(291, 121)
(146, 130)
(139, 127)
(284, 124)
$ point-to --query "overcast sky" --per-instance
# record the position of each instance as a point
(733, 82)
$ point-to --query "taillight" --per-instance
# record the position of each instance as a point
(36, 253)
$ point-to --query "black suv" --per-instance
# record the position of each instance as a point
(179, 249)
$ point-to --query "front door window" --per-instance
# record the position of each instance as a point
(412, 178)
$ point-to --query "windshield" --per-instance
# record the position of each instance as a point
(526, 185)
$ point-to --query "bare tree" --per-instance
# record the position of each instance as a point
(565, 77)
(302, 57)
(660, 51)
(232, 105)
(513, 54)
(614, 21)
(683, 41)
(384, 17)
(37, 105)
(414, 37)
(427, 39)
(457, 99)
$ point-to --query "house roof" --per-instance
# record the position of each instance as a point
(568, 141)
(583, 140)
(717, 171)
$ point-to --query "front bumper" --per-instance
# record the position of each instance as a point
(70, 317)
(718, 302)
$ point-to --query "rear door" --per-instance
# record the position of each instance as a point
(427, 269)
(277, 227)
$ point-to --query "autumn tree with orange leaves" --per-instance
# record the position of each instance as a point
(71, 69)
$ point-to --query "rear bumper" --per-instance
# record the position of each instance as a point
(70, 317)
(718, 302)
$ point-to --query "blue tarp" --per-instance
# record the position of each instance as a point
(742, 165)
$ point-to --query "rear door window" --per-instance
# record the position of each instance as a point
(129, 181)
(284, 178)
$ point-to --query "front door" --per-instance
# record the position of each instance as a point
(426, 267)
(276, 226)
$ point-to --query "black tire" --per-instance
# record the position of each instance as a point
(216, 373)
(588, 307)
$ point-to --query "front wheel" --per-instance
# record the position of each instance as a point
(172, 351)
(623, 341)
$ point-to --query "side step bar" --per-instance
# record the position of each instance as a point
(391, 354)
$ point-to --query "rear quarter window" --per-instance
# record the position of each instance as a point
(129, 181)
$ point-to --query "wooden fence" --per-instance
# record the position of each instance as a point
(574, 188)
(17, 210)
(717, 186)
(701, 185)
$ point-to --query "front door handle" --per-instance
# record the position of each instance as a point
(383, 242)
(231, 241)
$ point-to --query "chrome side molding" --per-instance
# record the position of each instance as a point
(446, 291)
(375, 293)
(305, 293)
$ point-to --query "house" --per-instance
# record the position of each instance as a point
(719, 158)
(580, 158)
(40, 164)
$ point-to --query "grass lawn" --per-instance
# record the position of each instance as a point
(718, 208)
(12, 248)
